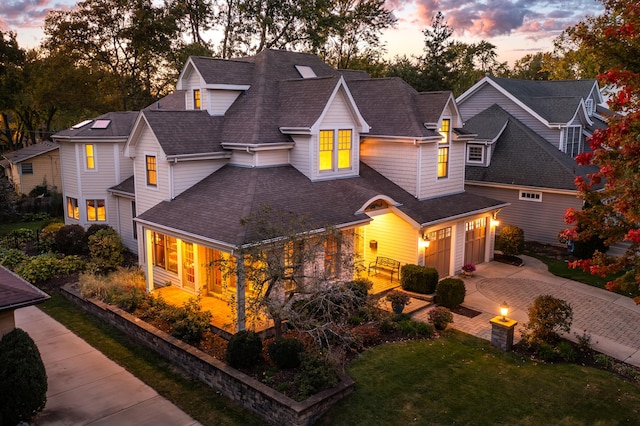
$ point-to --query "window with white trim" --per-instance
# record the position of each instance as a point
(165, 252)
(475, 154)
(573, 140)
(334, 149)
(26, 168)
(196, 99)
(73, 211)
(90, 156)
(531, 196)
(152, 170)
(96, 211)
(443, 148)
(589, 105)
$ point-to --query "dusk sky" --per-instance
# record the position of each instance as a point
(516, 27)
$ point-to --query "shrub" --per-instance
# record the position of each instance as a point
(511, 240)
(548, 316)
(12, 258)
(285, 353)
(415, 328)
(93, 229)
(192, 322)
(360, 289)
(106, 249)
(440, 317)
(23, 378)
(47, 237)
(315, 375)
(419, 279)
(18, 238)
(70, 239)
(566, 352)
(546, 352)
(244, 349)
(451, 292)
(43, 267)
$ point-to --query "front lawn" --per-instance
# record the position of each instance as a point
(460, 379)
(6, 228)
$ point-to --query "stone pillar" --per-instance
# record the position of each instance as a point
(502, 332)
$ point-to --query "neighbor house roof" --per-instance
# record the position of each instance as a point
(31, 151)
(107, 126)
(16, 293)
(326, 203)
(520, 156)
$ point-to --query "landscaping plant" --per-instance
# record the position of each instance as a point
(286, 352)
(440, 317)
(511, 240)
(547, 317)
(419, 279)
(450, 292)
(244, 349)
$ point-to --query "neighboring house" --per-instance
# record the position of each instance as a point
(528, 134)
(15, 293)
(373, 158)
(35, 165)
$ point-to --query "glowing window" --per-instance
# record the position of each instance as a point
(344, 149)
(152, 177)
(73, 211)
(196, 99)
(165, 252)
(96, 211)
(326, 150)
(443, 162)
(445, 131)
(90, 156)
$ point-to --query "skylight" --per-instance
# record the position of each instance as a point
(82, 124)
(305, 71)
(101, 124)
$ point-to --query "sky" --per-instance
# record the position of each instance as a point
(515, 27)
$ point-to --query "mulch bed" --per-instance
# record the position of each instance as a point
(465, 312)
(510, 260)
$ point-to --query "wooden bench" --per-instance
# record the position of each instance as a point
(386, 263)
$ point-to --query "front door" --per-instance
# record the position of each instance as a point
(475, 240)
(188, 267)
(438, 254)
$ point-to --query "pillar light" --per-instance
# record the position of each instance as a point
(504, 311)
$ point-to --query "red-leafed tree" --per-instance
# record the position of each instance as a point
(613, 213)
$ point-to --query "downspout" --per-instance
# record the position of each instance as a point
(172, 188)
(418, 168)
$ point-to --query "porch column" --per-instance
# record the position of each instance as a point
(148, 243)
(241, 320)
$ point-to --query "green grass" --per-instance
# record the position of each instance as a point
(5, 228)
(460, 379)
(195, 398)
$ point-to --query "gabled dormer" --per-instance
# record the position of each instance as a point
(321, 116)
(212, 84)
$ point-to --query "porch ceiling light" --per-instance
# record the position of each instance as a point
(504, 311)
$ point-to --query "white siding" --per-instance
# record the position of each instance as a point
(488, 95)
(187, 174)
(147, 196)
(219, 101)
(242, 158)
(125, 223)
(272, 158)
(338, 114)
(397, 161)
(396, 238)
(301, 154)
(430, 185)
(540, 221)
(126, 164)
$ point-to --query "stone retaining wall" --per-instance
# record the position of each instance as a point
(266, 402)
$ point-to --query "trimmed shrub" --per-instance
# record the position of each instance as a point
(93, 229)
(43, 267)
(12, 258)
(70, 239)
(511, 240)
(244, 349)
(106, 249)
(451, 292)
(315, 375)
(23, 378)
(419, 279)
(47, 237)
(440, 317)
(548, 316)
(285, 353)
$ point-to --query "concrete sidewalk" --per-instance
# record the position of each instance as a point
(612, 320)
(87, 388)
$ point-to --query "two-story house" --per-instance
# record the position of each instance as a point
(373, 158)
(35, 165)
(528, 134)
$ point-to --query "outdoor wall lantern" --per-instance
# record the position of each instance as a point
(504, 311)
(494, 222)
(425, 240)
(373, 245)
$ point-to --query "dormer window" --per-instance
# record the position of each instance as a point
(443, 149)
(196, 99)
(475, 154)
(589, 104)
(334, 149)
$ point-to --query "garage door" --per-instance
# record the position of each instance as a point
(438, 254)
(475, 240)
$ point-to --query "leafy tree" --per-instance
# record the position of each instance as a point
(12, 59)
(613, 213)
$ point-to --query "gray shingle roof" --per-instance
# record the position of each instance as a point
(223, 71)
(554, 100)
(127, 186)
(31, 151)
(521, 157)
(120, 126)
(488, 124)
(296, 107)
(219, 201)
(16, 293)
(185, 132)
(173, 101)
(393, 108)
